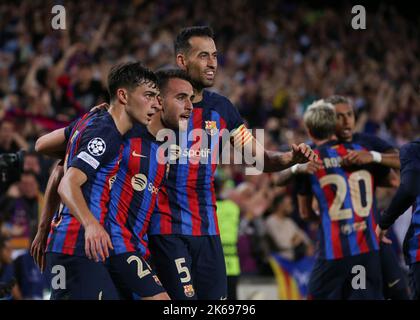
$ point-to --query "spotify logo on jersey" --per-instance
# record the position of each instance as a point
(139, 182)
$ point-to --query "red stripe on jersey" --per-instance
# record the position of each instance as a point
(335, 225)
(193, 167)
(418, 249)
(71, 236)
(161, 171)
(163, 205)
(127, 192)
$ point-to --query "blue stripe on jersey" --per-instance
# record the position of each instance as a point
(181, 183)
(352, 237)
(94, 201)
(413, 234)
(59, 235)
(326, 245)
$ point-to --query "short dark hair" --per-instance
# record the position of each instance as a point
(164, 75)
(129, 76)
(336, 99)
(181, 43)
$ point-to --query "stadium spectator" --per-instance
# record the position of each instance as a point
(20, 212)
(289, 241)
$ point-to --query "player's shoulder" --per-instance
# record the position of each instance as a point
(371, 141)
(102, 122)
(411, 150)
(216, 100)
(140, 131)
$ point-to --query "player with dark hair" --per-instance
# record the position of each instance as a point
(346, 212)
(380, 152)
(77, 239)
(184, 236)
(408, 194)
(142, 171)
(132, 198)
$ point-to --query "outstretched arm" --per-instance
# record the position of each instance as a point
(52, 144)
(52, 202)
(269, 161)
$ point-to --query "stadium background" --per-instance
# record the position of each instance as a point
(275, 58)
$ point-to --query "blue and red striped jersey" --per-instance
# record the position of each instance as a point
(94, 147)
(187, 202)
(411, 245)
(346, 202)
(410, 168)
(374, 143)
(134, 191)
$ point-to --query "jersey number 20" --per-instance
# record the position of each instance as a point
(336, 210)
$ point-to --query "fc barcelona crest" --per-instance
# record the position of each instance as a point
(211, 127)
(189, 290)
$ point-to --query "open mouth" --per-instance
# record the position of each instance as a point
(210, 74)
(185, 116)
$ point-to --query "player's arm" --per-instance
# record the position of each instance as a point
(304, 198)
(52, 144)
(286, 175)
(52, 202)
(390, 179)
(388, 158)
(97, 239)
(269, 161)
(405, 196)
(306, 211)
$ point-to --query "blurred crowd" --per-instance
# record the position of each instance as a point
(275, 58)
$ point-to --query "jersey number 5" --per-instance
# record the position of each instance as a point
(183, 269)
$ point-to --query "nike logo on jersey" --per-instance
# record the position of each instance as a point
(391, 284)
(135, 154)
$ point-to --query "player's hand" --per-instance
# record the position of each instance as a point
(303, 153)
(97, 242)
(359, 157)
(102, 106)
(381, 234)
(308, 167)
(38, 248)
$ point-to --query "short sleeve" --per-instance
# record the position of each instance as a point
(98, 146)
(69, 128)
(234, 119)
